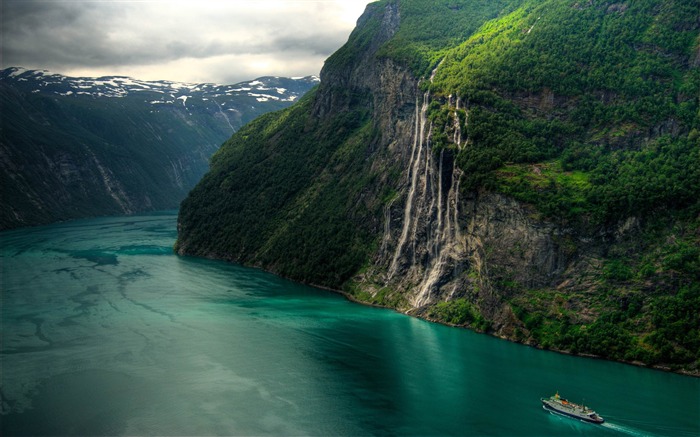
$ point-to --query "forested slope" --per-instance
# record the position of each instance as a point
(526, 168)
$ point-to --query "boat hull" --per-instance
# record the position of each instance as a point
(597, 420)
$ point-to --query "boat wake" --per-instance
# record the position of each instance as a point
(608, 425)
(625, 429)
(656, 429)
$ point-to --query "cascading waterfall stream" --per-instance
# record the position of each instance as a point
(387, 225)
(413, 176)
(223, 114)
(456, 171)
(440, 215)
(442, 235)
(427, 193)
(430, 242)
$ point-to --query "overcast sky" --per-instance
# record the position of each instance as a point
(220, 41)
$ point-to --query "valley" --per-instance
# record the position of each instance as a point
(83, 147)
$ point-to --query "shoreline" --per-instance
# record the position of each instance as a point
(412, 313)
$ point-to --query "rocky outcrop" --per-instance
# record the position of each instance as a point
(439, 244)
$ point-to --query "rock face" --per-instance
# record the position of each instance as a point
(366, 187)
(77, 147)
(439, 245)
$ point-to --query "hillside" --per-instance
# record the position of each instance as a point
(80, 147)
(525, 168)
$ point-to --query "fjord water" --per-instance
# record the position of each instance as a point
(106, 332)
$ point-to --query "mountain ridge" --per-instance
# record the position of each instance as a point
(80, 147)
(43, 81)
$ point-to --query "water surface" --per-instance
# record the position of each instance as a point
(106, 332)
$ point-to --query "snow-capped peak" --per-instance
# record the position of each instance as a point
(162, 91)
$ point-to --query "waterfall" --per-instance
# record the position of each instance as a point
(430, 245)
(427, 192)
(409, 221)
(456, 179)
(387, 225)
(456, 171)
(457, 139)
(440, 218)
(221, 111)
(440, 235)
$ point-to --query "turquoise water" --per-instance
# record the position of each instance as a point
(105, 331)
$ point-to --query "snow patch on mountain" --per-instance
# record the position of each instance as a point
(262, 89)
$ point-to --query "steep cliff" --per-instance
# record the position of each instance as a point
(80, 147)
(529, 169)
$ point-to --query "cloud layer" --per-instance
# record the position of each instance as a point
(222, 41)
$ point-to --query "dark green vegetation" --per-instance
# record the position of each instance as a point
(73, 147)
(642, 304)
(599, 101)
(586, 112)
(460, 312)
(608, 90)
(276, 196)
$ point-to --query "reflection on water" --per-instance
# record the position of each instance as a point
(106, 331)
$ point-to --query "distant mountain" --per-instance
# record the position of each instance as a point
(75, 147)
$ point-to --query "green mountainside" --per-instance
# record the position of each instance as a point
(82, 147)
(529, 169)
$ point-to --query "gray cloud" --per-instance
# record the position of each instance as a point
(311, 43)
(205, 40)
